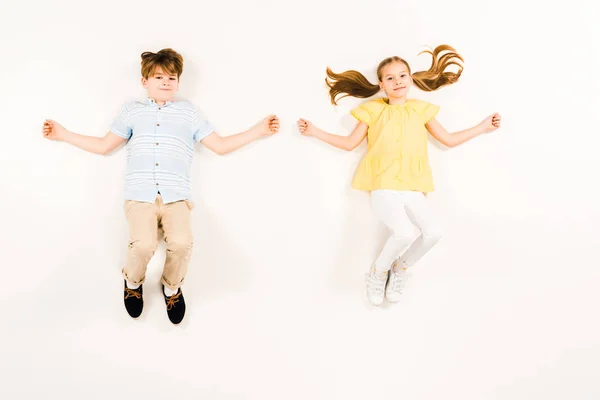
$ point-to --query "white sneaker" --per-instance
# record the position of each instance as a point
(375, 288)
(395, 285)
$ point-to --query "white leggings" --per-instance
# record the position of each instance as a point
(399, 211)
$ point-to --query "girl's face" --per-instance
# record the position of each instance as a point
(395, 80)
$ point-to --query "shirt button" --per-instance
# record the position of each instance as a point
(158, 108)
(157, 124)
(157, 144)
(157, 164)
(156, 183)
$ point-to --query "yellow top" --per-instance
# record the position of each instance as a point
(397, 156)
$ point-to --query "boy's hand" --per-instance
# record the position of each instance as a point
(53, 130)
(268, 126)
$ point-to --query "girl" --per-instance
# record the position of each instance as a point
(396, 169)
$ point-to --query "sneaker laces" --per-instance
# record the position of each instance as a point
(132, 293)
(375, 284)
(171, 300)
(397, 280)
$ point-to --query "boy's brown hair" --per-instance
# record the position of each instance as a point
(170, 61)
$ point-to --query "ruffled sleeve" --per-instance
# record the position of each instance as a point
(362, 113)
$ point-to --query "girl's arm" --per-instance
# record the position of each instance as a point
(489, 124)
(223, 145)
(348, 143)
(98, 145)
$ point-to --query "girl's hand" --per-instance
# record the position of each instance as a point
(53, 130)
(307, 128)
(491, 123)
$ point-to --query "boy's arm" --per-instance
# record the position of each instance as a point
(98, 145)
(223, 145)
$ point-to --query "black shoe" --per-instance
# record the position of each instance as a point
(134, 303)
(175, 306)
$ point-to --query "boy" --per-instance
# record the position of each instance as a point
(160, 134)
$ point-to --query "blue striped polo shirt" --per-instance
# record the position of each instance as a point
(160, 148)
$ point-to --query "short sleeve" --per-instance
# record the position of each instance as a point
(201, 126)
(362, 114)
(121, 125)
(429, 112)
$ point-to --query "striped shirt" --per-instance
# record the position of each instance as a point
(160, 148)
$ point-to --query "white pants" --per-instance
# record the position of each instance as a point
(400, 211)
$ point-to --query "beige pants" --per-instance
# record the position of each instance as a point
(144, 221)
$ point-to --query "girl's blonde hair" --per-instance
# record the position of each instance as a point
(170, 61)
(353, 83)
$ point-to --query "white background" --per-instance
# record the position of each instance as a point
(505, 307)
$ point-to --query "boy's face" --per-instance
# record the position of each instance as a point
(161, 86)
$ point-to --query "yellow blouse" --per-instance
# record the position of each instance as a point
(397, 157)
